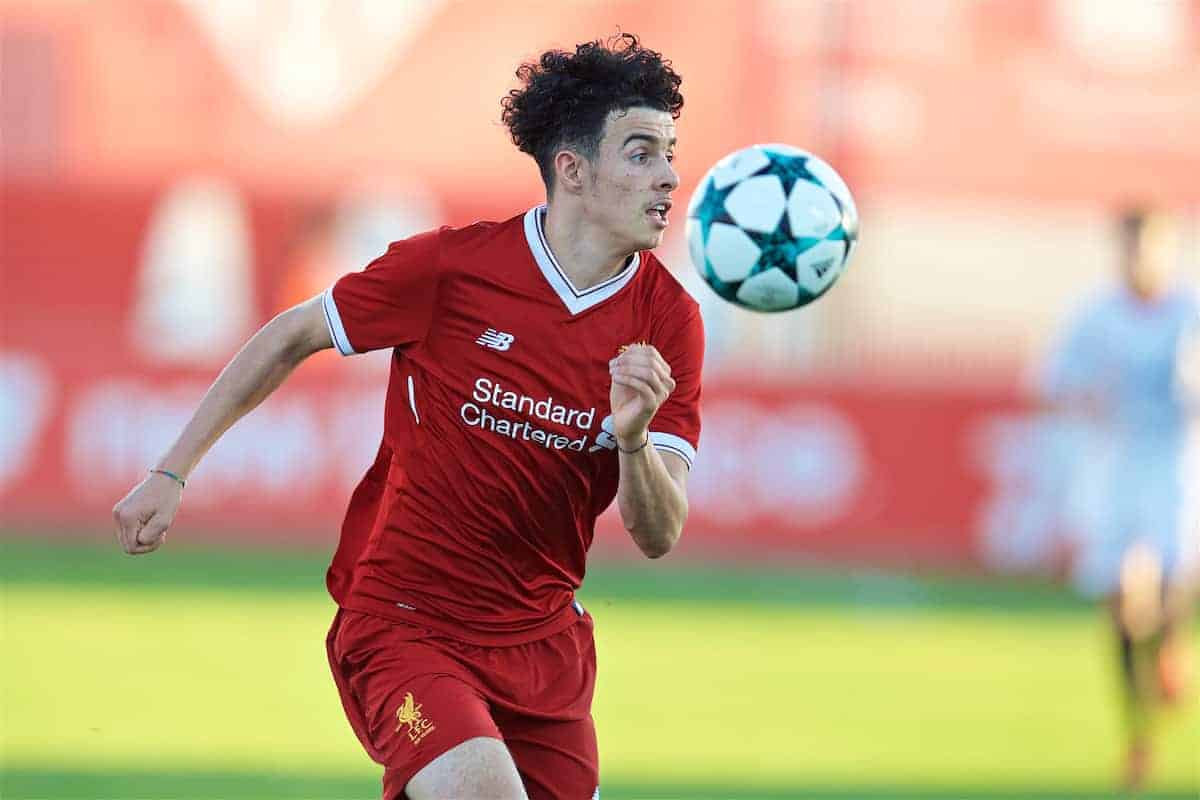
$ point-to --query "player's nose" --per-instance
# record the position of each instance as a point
(669, 180)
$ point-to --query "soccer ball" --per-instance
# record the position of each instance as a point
(771, 227)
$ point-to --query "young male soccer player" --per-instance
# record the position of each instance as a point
(542, 366)
(1120, 366)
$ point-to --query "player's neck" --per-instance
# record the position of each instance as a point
(1148, 297)
(580, 250)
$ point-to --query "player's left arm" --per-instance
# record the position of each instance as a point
(652, 493)
(656, 419)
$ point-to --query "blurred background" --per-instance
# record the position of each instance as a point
(867, 601)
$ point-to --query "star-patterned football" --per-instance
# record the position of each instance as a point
(771, 227)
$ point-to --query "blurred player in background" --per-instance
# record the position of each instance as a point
(1126, 364)
(542, 366)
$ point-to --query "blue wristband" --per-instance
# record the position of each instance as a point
(182, 483)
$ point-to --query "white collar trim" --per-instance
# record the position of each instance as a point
(574, 299)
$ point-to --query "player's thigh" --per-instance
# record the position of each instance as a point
(1111, 530)
(1162, 517)
(408, 702)
(556, 760)
(480, 768)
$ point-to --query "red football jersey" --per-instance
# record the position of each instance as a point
(498, 451)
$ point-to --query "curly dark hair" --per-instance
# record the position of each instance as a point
(565, 98)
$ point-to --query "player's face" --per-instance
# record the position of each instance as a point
(632, 178)
(1150, 266)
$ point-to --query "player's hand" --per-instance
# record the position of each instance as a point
(144, 515)
(641, 382)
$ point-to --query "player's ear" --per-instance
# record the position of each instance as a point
(569, 169)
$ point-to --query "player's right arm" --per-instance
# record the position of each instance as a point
(143, 516)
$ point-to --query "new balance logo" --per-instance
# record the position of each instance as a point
(497, 340)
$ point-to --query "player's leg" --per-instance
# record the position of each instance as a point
(480, 767)
(1138, 617)
(417, 712)
(1169, 514)
(1097, 573)
(1175, 661)
(1100, 571)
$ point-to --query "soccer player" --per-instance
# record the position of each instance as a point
(542, 365)
(1121, 366)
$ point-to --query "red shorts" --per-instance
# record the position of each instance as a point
(411, 694)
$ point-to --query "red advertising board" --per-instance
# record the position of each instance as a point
(856, 474)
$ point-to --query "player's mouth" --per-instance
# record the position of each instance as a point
(658, 213)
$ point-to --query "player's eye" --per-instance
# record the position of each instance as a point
(670, 158)
(640, 158)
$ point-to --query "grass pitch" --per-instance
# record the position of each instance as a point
(201, 674)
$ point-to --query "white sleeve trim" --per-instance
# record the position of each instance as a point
(337, 331)
(674, 444)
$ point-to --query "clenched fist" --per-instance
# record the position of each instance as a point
(144, 514)
(641, 383)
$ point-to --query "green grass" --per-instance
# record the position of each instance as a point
(29, 560)
(249, 786)
(201, 674)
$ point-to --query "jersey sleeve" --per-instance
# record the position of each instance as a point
(388, 304)
(1070, 369)
(676, 427)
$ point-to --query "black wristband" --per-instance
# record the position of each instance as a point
(637, 449)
